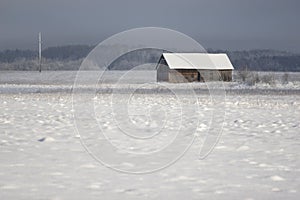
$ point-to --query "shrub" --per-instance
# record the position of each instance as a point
(243, 74)
(252, 79)
(269, 79)
(285, 78)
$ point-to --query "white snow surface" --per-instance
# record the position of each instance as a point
(257, 156)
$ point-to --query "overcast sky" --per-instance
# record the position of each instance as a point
(218, 24)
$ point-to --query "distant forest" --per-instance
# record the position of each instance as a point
(70, 57)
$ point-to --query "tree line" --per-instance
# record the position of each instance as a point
(70, 57)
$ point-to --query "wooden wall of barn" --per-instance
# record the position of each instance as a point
(162, 70)
(164, 73)
(183, 75)
(215, 75)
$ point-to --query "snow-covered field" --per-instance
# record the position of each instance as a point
(42, 156)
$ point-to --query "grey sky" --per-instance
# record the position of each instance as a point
(219, 24)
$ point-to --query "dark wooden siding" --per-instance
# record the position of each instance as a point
(183, 75)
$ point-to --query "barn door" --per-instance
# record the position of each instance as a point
(199, 77)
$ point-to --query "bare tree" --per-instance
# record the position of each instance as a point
(243, 73)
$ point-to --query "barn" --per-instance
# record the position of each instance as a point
(194, 67)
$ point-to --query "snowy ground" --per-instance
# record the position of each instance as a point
(41, 156)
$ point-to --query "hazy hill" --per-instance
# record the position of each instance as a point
(70, 57)
(264, 60)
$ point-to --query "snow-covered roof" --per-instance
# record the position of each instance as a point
(197, 61)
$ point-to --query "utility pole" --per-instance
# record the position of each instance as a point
(40, 51)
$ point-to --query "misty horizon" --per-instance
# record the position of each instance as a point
(207, 48)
